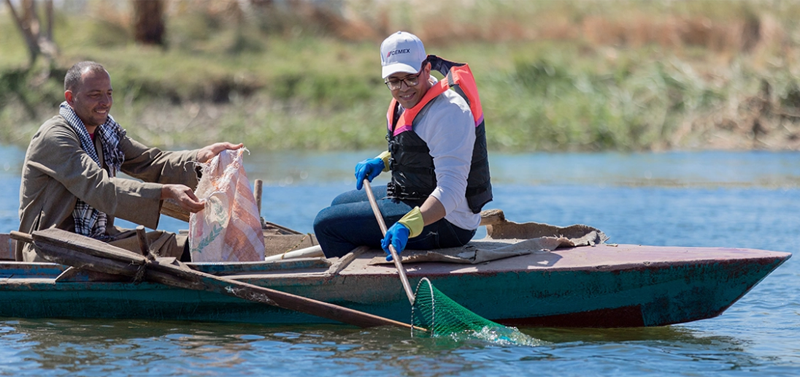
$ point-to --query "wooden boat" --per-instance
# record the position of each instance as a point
(590, 286)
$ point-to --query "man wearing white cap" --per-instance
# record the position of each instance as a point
(437, 155)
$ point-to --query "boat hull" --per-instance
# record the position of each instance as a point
(600, 286)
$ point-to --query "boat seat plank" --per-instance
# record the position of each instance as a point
(72, 275)
(32, 270)
(229, 268)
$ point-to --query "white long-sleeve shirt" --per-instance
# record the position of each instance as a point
(448, 128)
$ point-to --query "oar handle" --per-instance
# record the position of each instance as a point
(19, 236)
(395, 256)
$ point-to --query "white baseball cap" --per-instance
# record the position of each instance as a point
(402, 52)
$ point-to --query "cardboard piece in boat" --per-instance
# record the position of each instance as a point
(578, 234)
(71, 249)
(506, 239)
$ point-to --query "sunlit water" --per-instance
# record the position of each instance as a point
(683, 199)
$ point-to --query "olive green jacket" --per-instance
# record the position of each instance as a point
(57, 171)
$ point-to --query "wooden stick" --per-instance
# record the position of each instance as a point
(258, 188)
(309, 252)
(19, 236)
(395, 257)
(144, 246)
(68, 248)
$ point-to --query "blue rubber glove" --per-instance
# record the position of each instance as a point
(369, 168)
(397, 236)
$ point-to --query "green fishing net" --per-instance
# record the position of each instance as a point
(441, 316)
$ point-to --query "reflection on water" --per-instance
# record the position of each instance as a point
(692, 199)
(56, 347)
(667, 334)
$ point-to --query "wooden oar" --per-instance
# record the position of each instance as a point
(71, 249)
(395, 257)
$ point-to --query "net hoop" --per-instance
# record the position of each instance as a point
(433, 303)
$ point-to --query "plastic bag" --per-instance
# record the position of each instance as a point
(229, 228)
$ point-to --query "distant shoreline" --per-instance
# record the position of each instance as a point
(626, 76)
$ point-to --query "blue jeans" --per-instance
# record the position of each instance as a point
(349, 222)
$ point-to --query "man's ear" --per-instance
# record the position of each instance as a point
(68, 96)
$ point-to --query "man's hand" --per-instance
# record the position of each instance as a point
(184, 196)
(207, 153)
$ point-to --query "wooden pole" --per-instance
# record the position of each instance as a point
(144, 246)
(19, 236)
(257, 189)
(395, 257)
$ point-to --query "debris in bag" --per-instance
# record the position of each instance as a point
(228, 229)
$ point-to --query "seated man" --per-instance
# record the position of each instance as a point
(437, 155)
(69, 176)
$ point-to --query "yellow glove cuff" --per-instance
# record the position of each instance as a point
(413, 221)
(385, 157)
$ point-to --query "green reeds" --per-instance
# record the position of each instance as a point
(553, 76)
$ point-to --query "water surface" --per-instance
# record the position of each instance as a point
(680, 199)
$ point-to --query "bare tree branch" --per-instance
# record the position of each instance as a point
(24, 28)
(29, 25)
(48, 8)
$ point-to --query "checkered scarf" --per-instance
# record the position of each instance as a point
(89, 221)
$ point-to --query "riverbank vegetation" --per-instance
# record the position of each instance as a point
(554, 76)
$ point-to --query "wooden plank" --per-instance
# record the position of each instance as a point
(71, 249)
(69, 241)
(73, 274)
(230, 268)
(278, 229)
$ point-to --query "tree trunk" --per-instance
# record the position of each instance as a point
(38, 41)
(148, 22)
(24, 27)
(48, 9)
